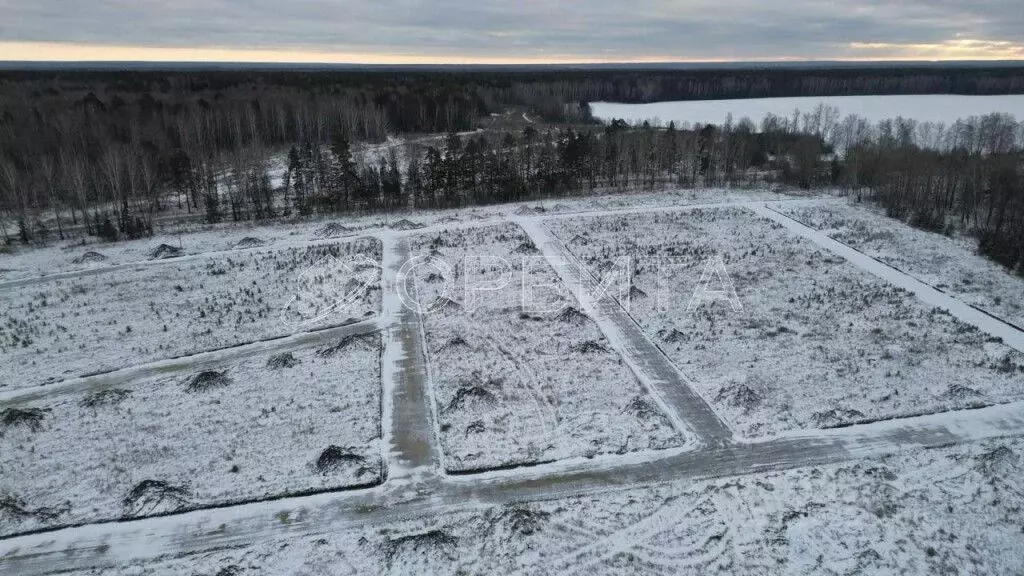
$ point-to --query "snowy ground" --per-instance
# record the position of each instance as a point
(628, 469)
(252, 429)
(949, 264)
(817, 342)
(943, 511)
(72, 326)
(522, 378)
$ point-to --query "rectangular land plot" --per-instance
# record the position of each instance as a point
(952, 265)
(519, 384)
(817, 343)
(268, 425)
(70, 327)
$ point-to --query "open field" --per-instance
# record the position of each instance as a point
(486, 408)
(261, 427)
(948, 510)
(72, 326)
(816, 342)
(950, 264)
(522, 379)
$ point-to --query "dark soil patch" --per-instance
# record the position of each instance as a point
(836, 417)
(154, 497)
(207, 380)
(466, 394)
(364, 341)
(589, 347)
(31, 418)
(405, 224)
(739, 396)
(89, 257)
(572, 316)
(444, 305)
(249, 242)
(165, 251)
(283, 360)
(18, 510)
(336, 458)
(332, 230)
(109, 397)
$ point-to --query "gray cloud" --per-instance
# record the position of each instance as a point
(602, 29)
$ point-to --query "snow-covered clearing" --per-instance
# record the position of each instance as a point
(817, 342)
(923, 108)
(68, 327)
(948, 510)
(261, 427)
(952, 265)
(520, 374)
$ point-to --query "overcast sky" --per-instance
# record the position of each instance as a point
(509, 31)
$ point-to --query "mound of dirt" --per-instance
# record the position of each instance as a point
(572, 316)
(89, 258)
(643, 408)
(332, 230)
(405, 224)
(589, 347)
(283, 360)
(151, 497)
(453, 342)
(528, 211)
(521, 520)
(961, 392)
(636, 293)
(17, 509)
(207, 380)
(470, 394)
(526, 247)
(444, 305)
(165, 251)
(249, 242)
(335, 458)
(1000, 461)
(31, 418)
(739, 396)
(364, 341)
(416, 553)
(836, 417)
(110, 397)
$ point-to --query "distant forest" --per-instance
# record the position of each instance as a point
(105, 152)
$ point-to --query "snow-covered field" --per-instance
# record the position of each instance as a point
(515, 427)
(950, 264)
(925, 108)
(265, 426)
(817, 342)
(952, 510)
(68, 327)
(521, 378)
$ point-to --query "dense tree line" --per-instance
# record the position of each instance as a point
(106, 152)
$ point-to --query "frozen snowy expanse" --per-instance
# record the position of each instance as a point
(817, 342)
(947, 263)
(515, 426)
(952, 510)
(926, 108)
(69, 327)
(522, 377)
(265, 426)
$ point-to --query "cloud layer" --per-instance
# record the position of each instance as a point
(487, 30)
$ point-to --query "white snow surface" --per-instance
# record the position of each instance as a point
(817, 343)
(923, 108)
(520, 382)
(951, 264)
(68, 327)
(258, 435)
(948, 510)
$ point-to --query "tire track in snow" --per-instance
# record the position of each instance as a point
(662, 379)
